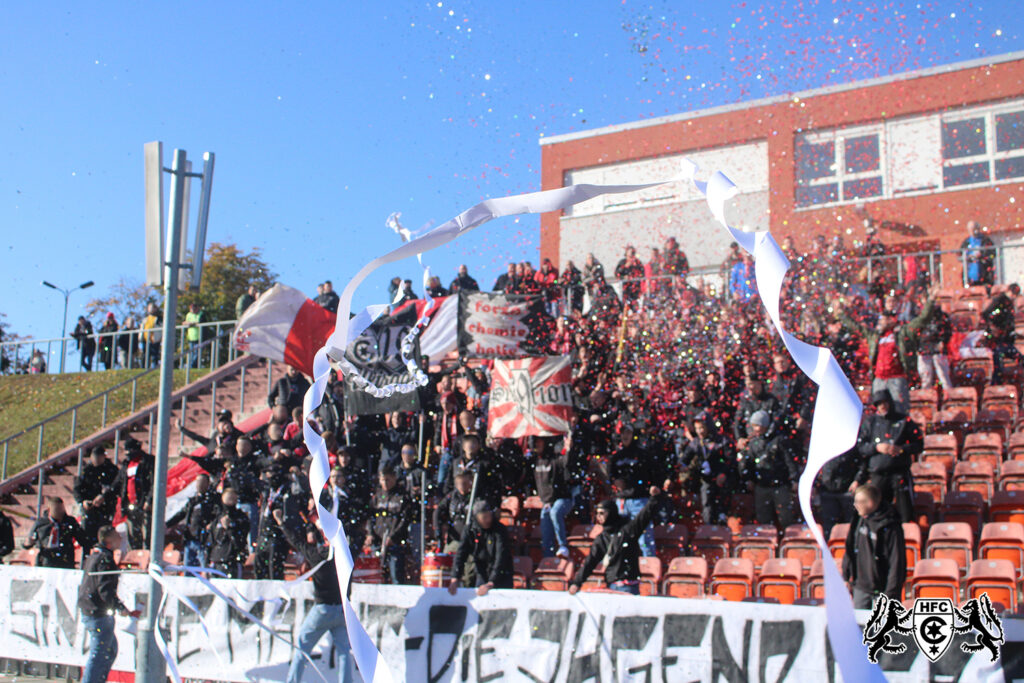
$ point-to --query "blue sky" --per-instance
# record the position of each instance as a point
(327, 117)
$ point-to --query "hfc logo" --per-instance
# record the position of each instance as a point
(933, 622)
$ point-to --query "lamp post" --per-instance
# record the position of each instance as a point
(64, 329)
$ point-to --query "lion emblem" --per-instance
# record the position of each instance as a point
(887, 618)
(979, 615)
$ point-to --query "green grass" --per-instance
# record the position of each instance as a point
(28, 399)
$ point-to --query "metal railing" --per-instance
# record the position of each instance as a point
(898, 263)
(100, 403)
(130, 349)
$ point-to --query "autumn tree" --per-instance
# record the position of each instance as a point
(125, 297)
(227, 273)
(8, 362)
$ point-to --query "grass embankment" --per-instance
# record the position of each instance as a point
(28, 399)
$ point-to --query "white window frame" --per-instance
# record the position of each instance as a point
(839, 176)
(990, 155)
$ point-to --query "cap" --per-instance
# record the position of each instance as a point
(224, 415)
(99, 450)
(881, 396)
(759, 418)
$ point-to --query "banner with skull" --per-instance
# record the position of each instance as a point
(377, 355)
(531, 397)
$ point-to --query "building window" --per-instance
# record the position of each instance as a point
(838, 166)
(982, 147)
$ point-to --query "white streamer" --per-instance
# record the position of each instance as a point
(837, 414)
(369, 660)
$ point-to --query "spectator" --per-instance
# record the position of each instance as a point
(98, 600)
(327, 612)
(887, 443)
(889, 348)
(572, 281)
(547, 280)
(247, 299)
(392, 513)
(193, 333)
(271, 546)
(152, 338)
(135, 489)
(999, 318)
(754, 400)
(617, 546)
(242, 475)
(96, 493)
(127, 343)
(835, 499)
(742, 280)
(552, 474)
(770, 468)
(794, 393)
(507, 280)
(631, 272)
(37, 365)
(708, 467)
(674, 261)
(486, 540)
(224, 434)
(198, 514)
(653, 286)
(932, 353)
(632, 472)
(331, 413)
(735, 256)
(434, 288)
(979, 255)
(404, 294)
(875, 559)
(108, 339)
(463, 282)
(229, 533)
(6, 536)
(54, 534)
(352, 508)
(593, 272)
(393, 287)
(85, 342)
(450, 513)
(328, 298)
(291, 388)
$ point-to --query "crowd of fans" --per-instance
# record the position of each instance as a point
(687, 403)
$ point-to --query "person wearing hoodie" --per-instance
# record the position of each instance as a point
(617, 545)
(229, 534)
(632, 470)
(94, 492)
(135, 488)
(755, 398)
(197, 515)
(552, 474)
(875, 560)
(887, 443)
(771, 469)
(708, 467)
(486, 540)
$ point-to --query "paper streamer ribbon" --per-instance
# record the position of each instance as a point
(369, 660)
(837, 415)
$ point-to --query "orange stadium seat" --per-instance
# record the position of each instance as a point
(686, 577)
(522, 571)
(780, 578)
(1003, 541)
(135, 559)
(798, 543)
(650, 575)
(670, 541)
(1008, 506)
(553, 574)
(837, 540)
(712, 542)
(930, 477)
(987, 446)
(964, 506)
(757, 543)
(815, 585)
(733, 578)
(998, 578)
(581, 538)
(912, 541)
(977, 475)
(1001, 397)
(510, 508)
(1011, 475)
(1015, 446)
(595, 582)
(925, 509)
(925, 401)
(972, 372)
(952, 540)
(940, 448)
(961, 398)
(936, 579)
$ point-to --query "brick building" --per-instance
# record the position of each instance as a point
(920, 153)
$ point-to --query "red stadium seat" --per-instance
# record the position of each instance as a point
(522, 571)
(998, 578)
(940, 448)
(925, 509)
(912, 541)
(951, 540)
(510, 508)
(1001, 397)
(976, 475)
(670, 541)
(837, 540)
(135, 559)
(961, 398)
(24, 557)
(798, 543)
(936, 579)
(976, 372)
(815, 586)
(1003, 541)
(650, 575)
(712, 542)
(580, 539)
(780, 578)
(757, 543)
(686, 577)
(1015, 447)
(733, 578)
(925, 401)
(964, 506)
(595, 582)
(930, 477)
(1011, 475)
(1008, 506)
(983, 446)
(553, 574)
(998, 420)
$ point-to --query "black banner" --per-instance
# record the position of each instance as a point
(496, 325)
(377, 354)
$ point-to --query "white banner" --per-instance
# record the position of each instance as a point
(428, 635)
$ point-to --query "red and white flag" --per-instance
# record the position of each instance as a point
(530, 397)
(284, 325)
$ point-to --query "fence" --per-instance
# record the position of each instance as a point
(129, 349)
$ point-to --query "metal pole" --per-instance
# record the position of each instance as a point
(151, 667)
(135, 384)
(74, 426)
(241, 393)
(39, 482)
(3, 474)
(104, 422)
(213, 405)
(423, 495)
(78, 471)
(64, 333)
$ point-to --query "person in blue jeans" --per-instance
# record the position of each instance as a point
(98, 600)
(552, 474)
(617, 546)
(327, 613)
(633, 469)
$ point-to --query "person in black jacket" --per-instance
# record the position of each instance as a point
(450, 513)
(271, 546)
(933, 351)
(887, 443)
(243, 475)
(755, 398)
(617, 545)
(6, 536)
(392, 511)
(353, 511)
(98, 600)
(1000, 324)
(55, 534)
(632, 470)
(795, 393)
(834, 497)
(225, 434)
(463, 282)
(198, 514)
(770, 466)
(327, 612)
(708, 467)
(291, 388)
(95, 492)
(480, 463)
(875, 560)
(552, 474)
(83, 336)
(486, 540)
(229, 533)
(135, 489)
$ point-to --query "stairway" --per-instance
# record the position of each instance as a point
(240, 386)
